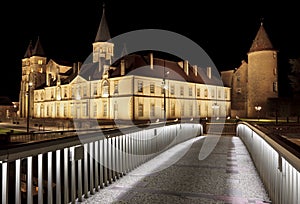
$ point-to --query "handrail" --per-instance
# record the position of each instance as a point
(287, 149)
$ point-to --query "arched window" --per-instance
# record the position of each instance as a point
(105, 89)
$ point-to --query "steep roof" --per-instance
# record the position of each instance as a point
(261, 41)
(28, 52)
(103, 34)
(38, 49)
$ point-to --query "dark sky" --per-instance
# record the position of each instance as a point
(67, 29)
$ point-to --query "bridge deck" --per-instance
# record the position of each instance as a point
(226, 175)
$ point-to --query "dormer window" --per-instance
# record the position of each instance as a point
(40, 62)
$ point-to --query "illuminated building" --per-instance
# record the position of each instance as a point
(134, 87)
(255, 80)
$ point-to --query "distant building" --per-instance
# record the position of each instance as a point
(8, 109)
(256, 80)
(135, 87)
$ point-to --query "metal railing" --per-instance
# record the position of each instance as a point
(277, 163)
(69, 169)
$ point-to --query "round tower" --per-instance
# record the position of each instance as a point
(262, 74)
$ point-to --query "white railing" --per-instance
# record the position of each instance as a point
(277, 165)
(66, 170)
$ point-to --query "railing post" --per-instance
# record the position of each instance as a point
(50, 190)
(18, 182)
(40, 178)
(4, 193)
(58, 178)
(29, 181)
(66, 175)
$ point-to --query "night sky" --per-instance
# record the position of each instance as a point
(67, 29)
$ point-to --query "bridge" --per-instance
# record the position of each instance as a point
(163, 163)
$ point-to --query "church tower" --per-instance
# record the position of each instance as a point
(103, 49)
(33, 75)
(262, 74)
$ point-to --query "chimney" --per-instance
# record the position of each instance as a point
(195, 70)
(208, 72)
(151, 60)
(122, 67)
(186, 67)
(74, 67)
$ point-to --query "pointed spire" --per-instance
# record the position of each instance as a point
(28, 52)
(38, 49)
(261, 41)
(103, 34)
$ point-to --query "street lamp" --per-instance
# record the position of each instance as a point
(28, 104)
(164, 89)
(257, 109)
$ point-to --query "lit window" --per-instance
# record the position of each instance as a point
(140, 87)
(190, 91)
(191, 109)
(105, 89)
(105, 109)
(116, 87)
(182, 109)
(141, 110)
(152, 109)
(198, 92)
(173, 109)
(181, 91)
(40, 62)
(95, 89)
(152, 88)
(275, 87)
(172, 90)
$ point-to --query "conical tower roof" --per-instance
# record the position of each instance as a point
(103, 34)
(38, 49)
(28, 52)
(261, 41)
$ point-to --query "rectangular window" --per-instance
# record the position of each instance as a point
(182, 109)
(199, 110)
(84, 91)
(116, 87)
(152, 109)
(181, 91)
(173, 109)
(219, 93)
(95, 110)
(141, 110)
(191, 109)
(198, 92)
(65, 111)
(95, 89)
(212, 93)
(57, 110)
(205, 93)
(172, 91)
(190, 91)
(105, 109)
(140, 87)
(275, 87)
(152, 88)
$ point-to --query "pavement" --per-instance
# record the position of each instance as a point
(177, 176)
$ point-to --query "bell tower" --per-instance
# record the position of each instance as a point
(103, 49)
(33, 75)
